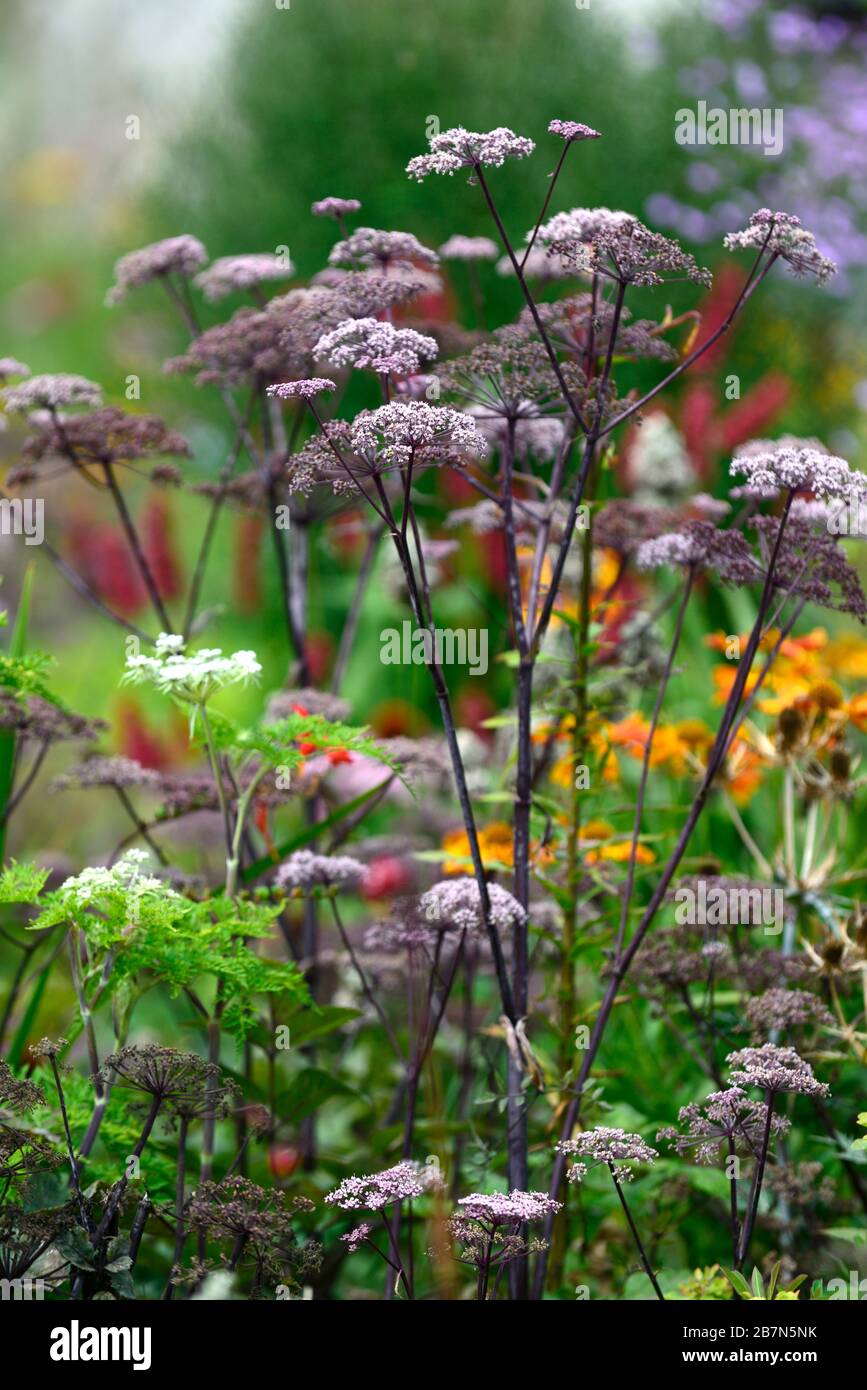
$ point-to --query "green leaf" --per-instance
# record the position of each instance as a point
(772, 1283)
(121, 1283)
(853, 1234)
(307, 1026)
(7, 738)
(738, 1282)
(24, 1030)
(22, 883)
(117, 1255)
(76, 1248)
(310, 1089)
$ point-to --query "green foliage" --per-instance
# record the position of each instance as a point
(107, 902)
(757, 1292)
(276, 743)
(118, 1134)
(709, 1284)
(155, 935)
(21, 883)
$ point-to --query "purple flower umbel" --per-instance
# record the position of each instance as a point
(459, 148)
(335, 207)
(306, 388)
(179, 255)
(614, 1147)
(572, 130)
(402, 1183)
(774, 1070)
(782, 235)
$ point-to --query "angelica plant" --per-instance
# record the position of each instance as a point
(420, 944)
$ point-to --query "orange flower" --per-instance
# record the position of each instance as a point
(847, 657)
(857, 711)
(743, 771)
(495, 846)
(724, 679)
(630, 734)
(695, 734)
(619, 853)
(542, 855)
(596, 830)
(669, 747)
(795, 666)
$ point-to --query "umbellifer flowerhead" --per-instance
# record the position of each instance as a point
(178, 255)
(725, 1118)
(231, 273)
(797, 468)
(10, 366)
(507, 1208)
(190, 676)
(371, 246)
(616, 1148)
(306, 388)
(335, 207)
(306, 870)
(181, 1081)
(457, 901)
(404, 1182)
(373, 343)
(774, 1069)
(459, 148)
(51, 392)
(782, 235)
(699, 545)
(357, 1236)
(469, 248)
(572, 130)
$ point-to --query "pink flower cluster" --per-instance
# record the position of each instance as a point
(459, 148)
(404, 1182)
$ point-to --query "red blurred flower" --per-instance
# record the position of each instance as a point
(136, 740)
(319, 650)
(158, 546)
(393, 718)
(472, 707)
(283, 1159)
(338, 755)
(246, 588)
(101, 555)
(385, 876)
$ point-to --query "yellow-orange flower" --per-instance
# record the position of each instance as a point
(596, 830)
(742, 773)
(799, 664)
(857, 711)
(495, 846)
(695, 734)
(724, 678)
(618, 853)
(669, 748)
(847, 658)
